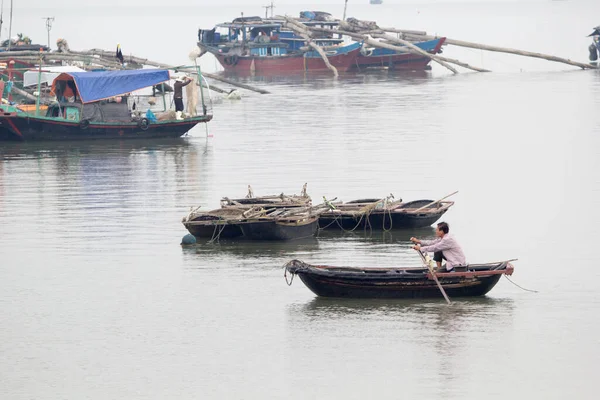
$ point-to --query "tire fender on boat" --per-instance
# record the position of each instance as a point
(143, 124)
(366, 52)
(84, 123)
(231, 60)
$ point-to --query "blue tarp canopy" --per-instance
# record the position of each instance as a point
(95, 86)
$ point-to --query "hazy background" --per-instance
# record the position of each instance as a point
(168, 32)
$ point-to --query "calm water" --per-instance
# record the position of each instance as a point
(98, 300)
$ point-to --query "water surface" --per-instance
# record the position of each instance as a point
(98, 300)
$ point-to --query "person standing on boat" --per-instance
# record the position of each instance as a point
(445, 247)
(180, 82)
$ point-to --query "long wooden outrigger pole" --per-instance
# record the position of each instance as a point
(304, 32)
(10, 25)
(479, 46)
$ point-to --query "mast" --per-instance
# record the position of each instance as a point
(1, 17)
(267, 9)
(49, 21)
(345, 6)
(10, 25)
(39, 86)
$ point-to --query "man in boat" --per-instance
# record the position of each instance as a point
(180, 82)
(445, 247)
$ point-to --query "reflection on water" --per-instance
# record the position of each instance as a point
(324, 79)
(422, 311)
(377, 236)
(65, 149)
(256, 249)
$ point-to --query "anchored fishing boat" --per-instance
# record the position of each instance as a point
(259, 222)
(265, 46)
(93, 105)
(254, 45)
(402, 283)
(383, 214)
(256, 217)
(255, 223)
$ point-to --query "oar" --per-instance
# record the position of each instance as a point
(435, 202)
(430, 267)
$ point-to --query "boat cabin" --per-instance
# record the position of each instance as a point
(246, 37)
(256, 36)
(102, 111)
(69, 104)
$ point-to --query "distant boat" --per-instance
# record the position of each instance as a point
(253, 45)
(376, 1)
(379, 215)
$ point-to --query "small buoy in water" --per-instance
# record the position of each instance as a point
(234, 95)
(188, 240)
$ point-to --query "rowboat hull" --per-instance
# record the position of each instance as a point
(279, 230)
(23, 127)
(405, 216)
(379, 220)
(210, 230)
(405, 283)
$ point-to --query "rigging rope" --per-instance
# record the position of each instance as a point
(520, 287)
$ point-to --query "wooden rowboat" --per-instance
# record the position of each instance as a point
(378, 214)
(403, 283)
(256, 223)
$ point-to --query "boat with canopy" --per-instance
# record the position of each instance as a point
(100, 105)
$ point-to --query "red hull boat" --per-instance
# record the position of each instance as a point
(343, 61)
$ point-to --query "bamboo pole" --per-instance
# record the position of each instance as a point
(303, 31)
(500, 50)
(145, 61)
(404, 31)
(106, 59)
(39, 88)
(368, 39)
(35, 56)
(23, 93)
(445, 59)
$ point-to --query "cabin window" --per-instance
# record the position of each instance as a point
(269, 51)
(72, 114)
